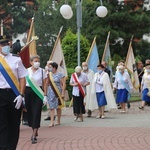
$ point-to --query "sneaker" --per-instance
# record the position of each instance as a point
(97, 117)
(103, 117)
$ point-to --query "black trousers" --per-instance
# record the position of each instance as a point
(9, 120)
(78, 105)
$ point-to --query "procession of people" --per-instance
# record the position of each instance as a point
(38, 87)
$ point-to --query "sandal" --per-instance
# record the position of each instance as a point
(141, 107)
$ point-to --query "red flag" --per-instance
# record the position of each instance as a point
(25, 57)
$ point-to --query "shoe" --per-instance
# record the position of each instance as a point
(141, 107)
(48, 118)
(34, 140)
(80, 120)
(103, 117)
(25, 123)
(51, 125)
(97, 117)
(89, 113)
(128, 105)
(76, 118)
(122, 111)
(119, 107)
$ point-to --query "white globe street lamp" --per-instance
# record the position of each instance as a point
(67, 13)
(101, 11)
(69, 16)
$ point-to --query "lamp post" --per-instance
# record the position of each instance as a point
(79, 25)
(67, 13)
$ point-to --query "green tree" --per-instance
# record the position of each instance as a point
(69, 45)
(121, 21)
(47, 24)
(16, 15)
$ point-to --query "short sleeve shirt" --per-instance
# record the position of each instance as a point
(38, 76)
(15, 63)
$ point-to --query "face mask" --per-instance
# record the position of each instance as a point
(85, 68)
(120, 71)
(148, 70)
(50, 69)
(99, 71)
(46, 68)
(36, 65)
(6, 49)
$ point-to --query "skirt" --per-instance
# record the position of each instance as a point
(122, 96)
(101, 99)
(34, 108)
(144, 96)
(78, 105)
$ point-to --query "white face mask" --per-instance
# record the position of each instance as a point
(99, 71)
(6, 49)
(50, 69)
(148, 70)
(36, 65)
(85, 68)
(46, 68)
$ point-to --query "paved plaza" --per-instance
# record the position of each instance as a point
(129, 131)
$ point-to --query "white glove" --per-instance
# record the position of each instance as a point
(18, 100)
(45, 100)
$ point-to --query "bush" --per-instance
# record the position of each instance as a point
(68, 87)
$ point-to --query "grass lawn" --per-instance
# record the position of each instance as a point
(134, 97)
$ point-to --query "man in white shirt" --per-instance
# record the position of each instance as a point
(12, 87)
(88, 98)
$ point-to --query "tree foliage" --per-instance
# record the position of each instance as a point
(122, 21)
(16, 15)
(69, 45)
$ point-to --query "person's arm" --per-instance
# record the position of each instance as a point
(22, 85)
(72, 83)
(86, 81)
(115, 83)
(63, 85)
(45, 86)
(129, 82)
(142, 83)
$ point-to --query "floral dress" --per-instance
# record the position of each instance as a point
(52, 99)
